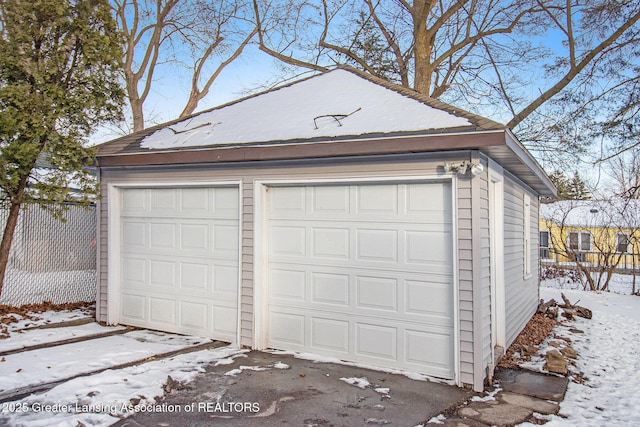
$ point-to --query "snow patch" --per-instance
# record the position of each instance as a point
(57, 363)
(437, 420)
(280, 365)
(358, 382)
(488, 397)
(239, 370)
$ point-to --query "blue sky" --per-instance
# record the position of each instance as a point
(172, 82)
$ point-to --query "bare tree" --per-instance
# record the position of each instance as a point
(433, 45)
(589, 90)
(486, 55)
(227, 28)
(628, 210)
(205, 37)
(625, 172)
(588, 235)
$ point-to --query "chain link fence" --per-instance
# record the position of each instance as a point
(51, 260)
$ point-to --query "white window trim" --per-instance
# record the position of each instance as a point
(580, 233)
(628, 241)
(548, 239)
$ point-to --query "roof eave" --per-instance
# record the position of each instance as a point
(515, 158)
(305, 150)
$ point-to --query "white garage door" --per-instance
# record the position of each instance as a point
(179, 260)
(363, 273)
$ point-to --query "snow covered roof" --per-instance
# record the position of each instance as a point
(593, 213)
(340, 113)
(342, 103)
(334, 104)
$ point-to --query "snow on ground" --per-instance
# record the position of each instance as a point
(47, 318)
(280, 365)
(358, 382)
(608, 356)
(608, 350)
(32, 337)
(239, 370)
(619, 284)
(65, 361)
(99, 400)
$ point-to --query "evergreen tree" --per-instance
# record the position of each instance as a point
(573, 188)
(59, 65)
(369, 45)
(577, 188)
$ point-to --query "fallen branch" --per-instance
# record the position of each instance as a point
(543, 307)
(573, 309)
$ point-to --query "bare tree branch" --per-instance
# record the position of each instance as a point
(573, 71)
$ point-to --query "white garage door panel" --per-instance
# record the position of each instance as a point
(389, 246)
(390, 294)
(179, 250)
(364, 272)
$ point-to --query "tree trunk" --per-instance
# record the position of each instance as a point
(192, 103)
(10, 228)
(422, 48)
(138, 114)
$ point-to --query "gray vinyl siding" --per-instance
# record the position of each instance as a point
(465, 280)
(485, 276)
(480, 286)
(102, 264)
(521, 293)
(246, 262)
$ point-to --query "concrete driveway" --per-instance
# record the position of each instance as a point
(263, 389)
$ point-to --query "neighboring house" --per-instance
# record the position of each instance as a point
(592, 232)
(339, 215)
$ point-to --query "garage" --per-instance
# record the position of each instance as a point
(179, 259)
(367, 228)
(363, 272)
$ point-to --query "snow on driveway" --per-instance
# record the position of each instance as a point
(102, 399)
(98, 399)
(33, 337)
(65, 361)
(609, 357)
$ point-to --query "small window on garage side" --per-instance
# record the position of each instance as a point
(527, 236)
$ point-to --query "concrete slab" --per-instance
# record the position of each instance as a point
(546, 387)
(305, 394)
(529, 402)
(495, 414)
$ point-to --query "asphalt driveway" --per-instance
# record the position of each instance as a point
(264, 389)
